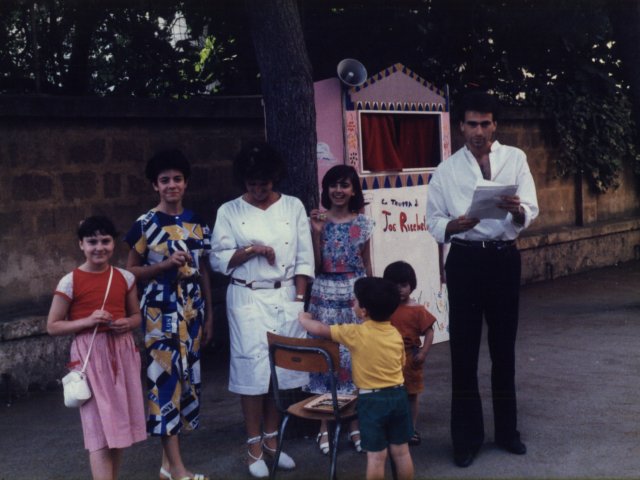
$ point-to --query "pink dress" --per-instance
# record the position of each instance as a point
(114, 416)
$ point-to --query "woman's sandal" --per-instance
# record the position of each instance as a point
(284, 461)
(357, 444)
(166, 475)
(415, 438)
(257, 469)
(324, 446)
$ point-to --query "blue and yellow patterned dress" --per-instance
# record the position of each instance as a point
(332, 295)
(172, 308)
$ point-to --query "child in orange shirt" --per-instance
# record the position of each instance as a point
(412, 321)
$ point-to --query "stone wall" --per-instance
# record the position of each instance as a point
(66, 158)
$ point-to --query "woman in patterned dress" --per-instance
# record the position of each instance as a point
(262, 240)
(341, 248)
(167, 244)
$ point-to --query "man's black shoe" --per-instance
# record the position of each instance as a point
(463, 459)
(514, 446)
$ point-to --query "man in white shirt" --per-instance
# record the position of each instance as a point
(482, 272)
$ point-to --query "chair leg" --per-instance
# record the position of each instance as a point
(333, 474)
(276, 458)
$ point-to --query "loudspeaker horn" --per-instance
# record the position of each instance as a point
(351, 72)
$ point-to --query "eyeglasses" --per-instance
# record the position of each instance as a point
(474, 124)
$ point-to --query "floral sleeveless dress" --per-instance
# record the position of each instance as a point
(332, 292)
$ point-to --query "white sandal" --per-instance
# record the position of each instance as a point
(357, 444)
(166, 475)
(323, 446)
(284, 461)
(257, 469)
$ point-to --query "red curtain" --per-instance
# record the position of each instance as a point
(418, 142)
(379, 143)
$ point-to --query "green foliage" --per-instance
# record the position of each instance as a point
(98, 47)
(211, 65)
(594, 133)
(557, 55)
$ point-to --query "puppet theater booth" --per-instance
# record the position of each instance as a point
(393, 128)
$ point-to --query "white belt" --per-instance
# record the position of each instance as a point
(364, 391)
(261, 284)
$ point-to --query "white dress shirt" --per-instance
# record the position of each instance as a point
(452, 185)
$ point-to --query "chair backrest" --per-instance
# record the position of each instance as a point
(315, 355)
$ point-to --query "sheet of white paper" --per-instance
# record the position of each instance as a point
(486, 198)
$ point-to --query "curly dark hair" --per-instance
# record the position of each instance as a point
(172, 159)
(334, 175)
(258, 161)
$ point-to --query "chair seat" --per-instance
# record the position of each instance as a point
(312, 355)
(297, 409)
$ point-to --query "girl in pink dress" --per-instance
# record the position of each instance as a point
(113, 418)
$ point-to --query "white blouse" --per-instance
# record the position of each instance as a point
(283, 226)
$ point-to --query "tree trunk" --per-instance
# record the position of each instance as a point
(287, 89)
(625, 21)
(87, 18)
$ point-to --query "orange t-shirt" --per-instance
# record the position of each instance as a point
(412, 321)
(85, 292)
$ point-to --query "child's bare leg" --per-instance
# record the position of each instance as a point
(413, 405)
(375, 464)
(402, 458)
(116, 460)
(101, 464)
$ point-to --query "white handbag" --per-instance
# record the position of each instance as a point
(75, 383)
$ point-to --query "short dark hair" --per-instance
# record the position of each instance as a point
(172, 159)
(401, 272)
(96, 224)
(481, 102)
(337, 173)
(258, 161)
(379, 296)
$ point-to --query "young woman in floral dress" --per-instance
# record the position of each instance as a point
(341, 247)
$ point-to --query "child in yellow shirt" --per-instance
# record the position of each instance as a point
(377, 358)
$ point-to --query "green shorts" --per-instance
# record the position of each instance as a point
(384, 418)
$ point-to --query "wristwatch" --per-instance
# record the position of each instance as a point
(299, 297)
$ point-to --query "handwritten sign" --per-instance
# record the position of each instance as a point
(401, 234)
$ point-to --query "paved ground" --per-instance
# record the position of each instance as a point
(579, 404)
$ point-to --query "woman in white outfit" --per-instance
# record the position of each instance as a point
(262, 240)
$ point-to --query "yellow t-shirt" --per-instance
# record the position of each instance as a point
(377, 352)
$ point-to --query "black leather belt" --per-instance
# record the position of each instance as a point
(488, 244)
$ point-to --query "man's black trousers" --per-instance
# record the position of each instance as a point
(482, 283)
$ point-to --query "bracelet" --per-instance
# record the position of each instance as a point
(299, 297)
(248, 250)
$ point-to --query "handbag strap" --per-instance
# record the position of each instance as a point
(95, 330)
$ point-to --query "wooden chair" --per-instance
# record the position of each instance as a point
(314, 356)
